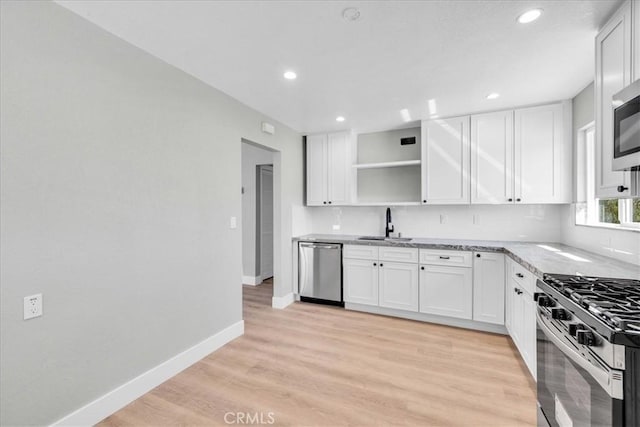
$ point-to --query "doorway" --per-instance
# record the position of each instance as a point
(259, 216)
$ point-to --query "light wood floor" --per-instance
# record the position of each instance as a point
(321, 366)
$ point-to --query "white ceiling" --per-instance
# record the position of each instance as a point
(398, 55)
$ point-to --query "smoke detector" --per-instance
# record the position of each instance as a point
(351, 14)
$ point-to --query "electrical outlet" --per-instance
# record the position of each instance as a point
(443, 219)
(233, 222)
(336, 227)
(32, 306)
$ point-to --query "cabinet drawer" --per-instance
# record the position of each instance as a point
(442, 257)
(522, 277)
(360, 252)
(398, 254)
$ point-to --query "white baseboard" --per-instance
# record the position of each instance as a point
(431, 318)
(282, 302)
(99, 409)
(251, 280)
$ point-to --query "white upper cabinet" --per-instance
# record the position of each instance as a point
(316, 170)
(522, 156)
(339, 168)
(613, 73)
(492, 158)
(445, 160)
(635, 6)
(329, 169)
(542, 155)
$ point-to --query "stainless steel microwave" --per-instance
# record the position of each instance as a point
(626, 127)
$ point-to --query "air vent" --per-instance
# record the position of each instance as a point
(408, 141)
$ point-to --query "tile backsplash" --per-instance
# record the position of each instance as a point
(483, 222)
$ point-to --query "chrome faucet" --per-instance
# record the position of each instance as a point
(388, 228)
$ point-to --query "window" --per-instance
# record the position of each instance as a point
(624, 213)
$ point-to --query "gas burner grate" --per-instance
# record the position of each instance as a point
(614, 301)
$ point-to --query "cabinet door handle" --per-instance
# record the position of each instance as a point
(421, 268)
(622, 188)
(374, 264)
(477, 255)
(424, 201)
(444, 257)
(517, 200)
(510, 199)
(324, 203)
(329, 202)
(520, 275)
(381, 264)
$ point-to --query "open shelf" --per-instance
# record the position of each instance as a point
(388, 186)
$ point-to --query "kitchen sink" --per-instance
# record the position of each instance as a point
(386, 239)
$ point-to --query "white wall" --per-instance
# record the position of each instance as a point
(251, 157)
(620, 244)
(506, 222)
(118, 176)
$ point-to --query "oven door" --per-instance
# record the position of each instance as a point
(572, 390)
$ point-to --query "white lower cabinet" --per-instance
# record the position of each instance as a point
(446, 291)
(456, 284)
(371, 279)
(398, 283)
(488, 287)
(521, 312)
(360, 281)
(529, 334)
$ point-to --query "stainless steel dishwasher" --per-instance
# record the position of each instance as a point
(320, 272)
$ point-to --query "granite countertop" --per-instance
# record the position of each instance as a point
(537, 257)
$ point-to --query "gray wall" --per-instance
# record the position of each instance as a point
(251, 157)
(583, 109)
(118, 177)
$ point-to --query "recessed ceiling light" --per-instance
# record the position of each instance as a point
(339, 119)
(529, 16)
(493, 95)
(351, 14)
(290, 75)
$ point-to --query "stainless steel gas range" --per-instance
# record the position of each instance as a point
(588, 349)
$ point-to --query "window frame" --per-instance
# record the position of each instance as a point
(587, 210)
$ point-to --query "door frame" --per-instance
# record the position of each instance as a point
(259, 197)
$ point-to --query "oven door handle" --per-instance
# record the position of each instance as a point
(610, 381)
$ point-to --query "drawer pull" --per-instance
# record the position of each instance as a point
(444, 257)
(520, 275)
